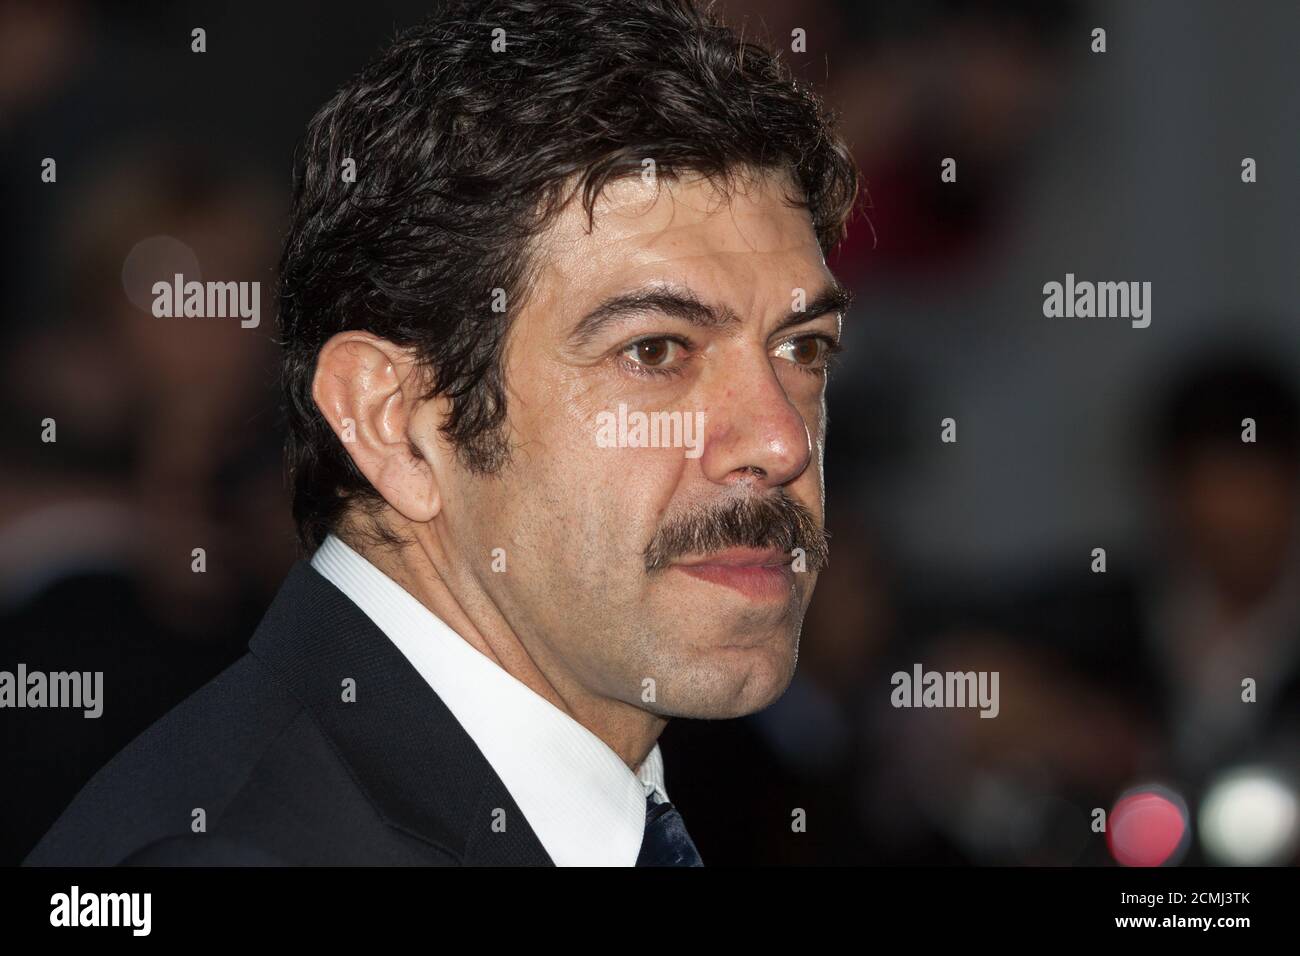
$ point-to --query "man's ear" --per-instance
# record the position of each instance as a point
(369, 391)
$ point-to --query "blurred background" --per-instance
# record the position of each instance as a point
(1119, 690)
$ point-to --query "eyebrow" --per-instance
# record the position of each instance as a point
(680, 302)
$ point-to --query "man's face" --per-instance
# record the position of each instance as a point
(603, 582)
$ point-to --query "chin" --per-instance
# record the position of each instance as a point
(734, 681)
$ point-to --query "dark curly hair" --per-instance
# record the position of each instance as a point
(464, 154)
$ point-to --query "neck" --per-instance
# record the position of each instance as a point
(421, 567)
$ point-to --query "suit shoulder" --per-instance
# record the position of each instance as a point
(195, 760)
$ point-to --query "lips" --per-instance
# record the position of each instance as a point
(739, 558)
(758, 574)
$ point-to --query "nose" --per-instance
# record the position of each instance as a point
(753, 433)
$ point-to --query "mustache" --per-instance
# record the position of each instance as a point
(776, 521)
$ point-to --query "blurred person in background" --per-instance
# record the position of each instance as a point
(1135, 676)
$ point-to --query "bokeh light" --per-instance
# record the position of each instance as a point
(1149, 826)
(1250, 817)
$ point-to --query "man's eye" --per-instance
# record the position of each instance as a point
(809, 351)
(653, 353)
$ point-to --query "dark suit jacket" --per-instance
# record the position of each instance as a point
(287, 772)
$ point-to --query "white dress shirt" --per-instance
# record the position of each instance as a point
(586, 807)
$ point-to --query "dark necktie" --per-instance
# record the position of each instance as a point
(666, 842)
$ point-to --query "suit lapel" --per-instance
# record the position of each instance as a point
(405, 748)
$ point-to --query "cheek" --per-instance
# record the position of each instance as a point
(614, 494)
(591, 511)
(612, 500)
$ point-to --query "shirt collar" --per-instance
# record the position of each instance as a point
(586, 807)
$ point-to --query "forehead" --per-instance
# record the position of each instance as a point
(748, 240)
